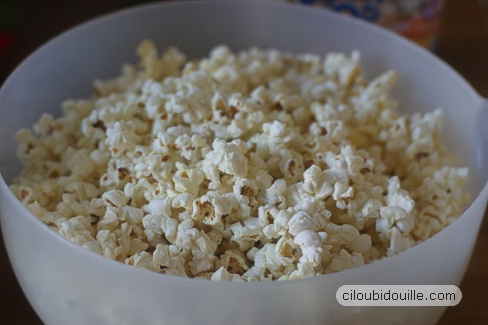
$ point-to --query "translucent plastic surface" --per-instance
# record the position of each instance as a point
(67, 284)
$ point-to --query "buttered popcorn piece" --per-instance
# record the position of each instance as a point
(251, 166)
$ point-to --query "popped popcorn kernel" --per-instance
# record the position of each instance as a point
(256, 165)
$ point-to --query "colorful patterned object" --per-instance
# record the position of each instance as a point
(417, 20)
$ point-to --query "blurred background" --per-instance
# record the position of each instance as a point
(454, 30)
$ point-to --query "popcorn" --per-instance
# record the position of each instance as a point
(169, 261)
(121, 137)
(310, 244)
(203, 252)
(246, 232)
(223, 275)
(338, 65)
(345, 260)
(398, 242)
(303, 221)
(252, 166)
(228, 157)
(188, 181)
(234, 263)
(211, 208)
(106, 243)
(76, 229)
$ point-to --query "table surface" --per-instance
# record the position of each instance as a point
(462, 43)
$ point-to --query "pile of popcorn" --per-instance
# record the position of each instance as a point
(249, 166)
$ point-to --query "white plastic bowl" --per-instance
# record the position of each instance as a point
(67, 284)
